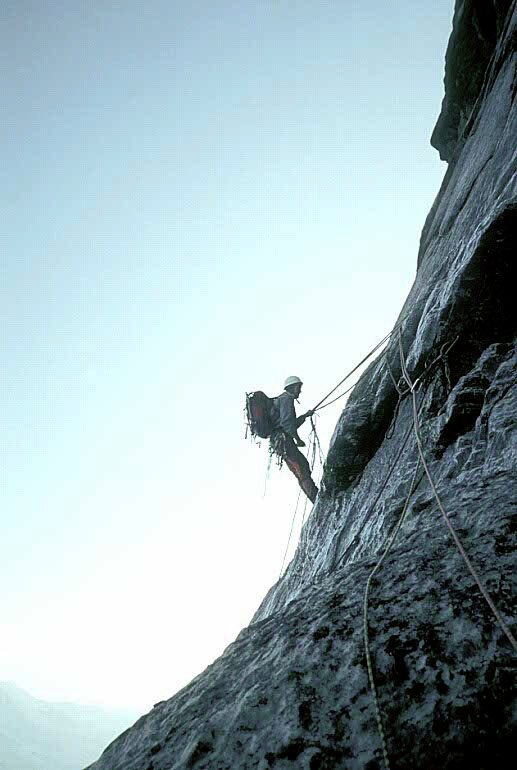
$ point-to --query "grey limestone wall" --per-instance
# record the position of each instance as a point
(292, 691)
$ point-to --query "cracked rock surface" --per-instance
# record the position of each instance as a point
(292, 691)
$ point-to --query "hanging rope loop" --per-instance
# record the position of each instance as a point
(457, 541)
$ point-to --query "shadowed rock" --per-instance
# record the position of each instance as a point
(292, 691)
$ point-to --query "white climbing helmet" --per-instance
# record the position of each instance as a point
(293, 380)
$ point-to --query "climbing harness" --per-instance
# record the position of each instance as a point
(444, 350)
(257, 403)
(314, 444)
(322, 405)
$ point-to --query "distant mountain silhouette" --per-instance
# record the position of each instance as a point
(37, 735)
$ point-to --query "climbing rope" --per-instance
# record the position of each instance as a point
(390, 540)
(416, 426)
(391, 427)
(317, 440)
(396, 385)
(290, 534)
(321, 405)
(316, 447)
(444, 350)
(411, 388)
(305, 511)
(349, 374)
(314, 436)
(383, 486)
(340, 395)
(314, 444)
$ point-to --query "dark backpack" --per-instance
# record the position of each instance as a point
(258, 410)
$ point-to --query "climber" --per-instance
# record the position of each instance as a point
(284, 440)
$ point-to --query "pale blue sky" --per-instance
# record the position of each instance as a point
(199, 199)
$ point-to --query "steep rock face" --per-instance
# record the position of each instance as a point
(293, 690)
(477, 29)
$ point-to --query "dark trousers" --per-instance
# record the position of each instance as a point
(299, 467)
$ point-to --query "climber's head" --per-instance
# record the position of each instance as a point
(293, 385)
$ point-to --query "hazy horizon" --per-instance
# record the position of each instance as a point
(37, 734)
